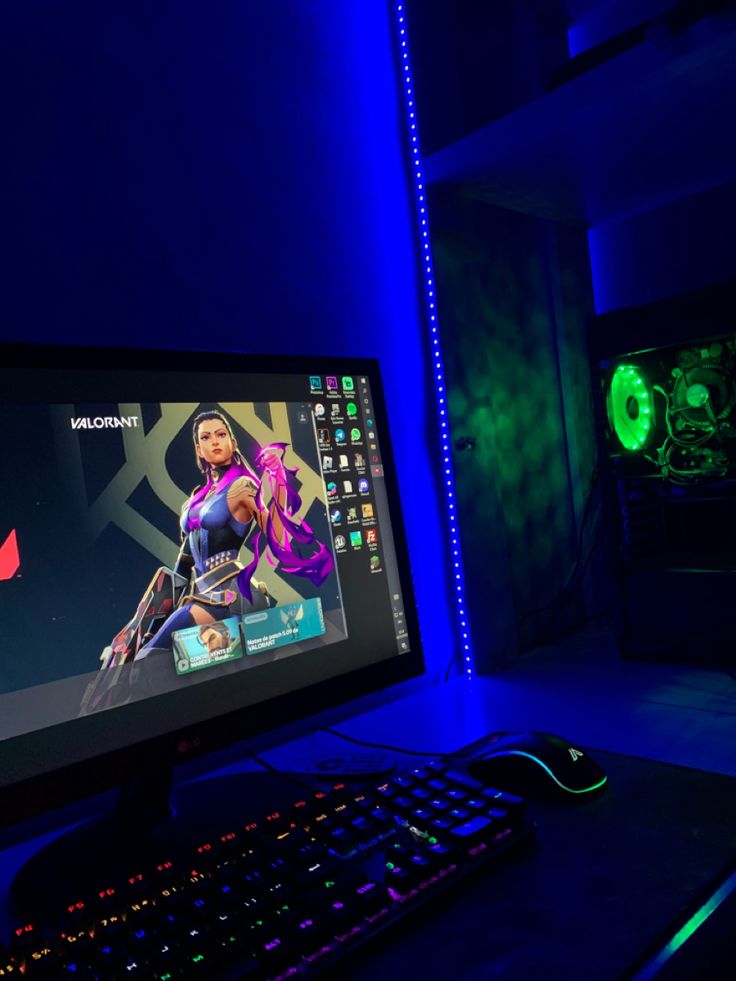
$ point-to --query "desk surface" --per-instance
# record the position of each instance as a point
(608, 880)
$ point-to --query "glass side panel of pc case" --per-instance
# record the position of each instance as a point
(664, 377)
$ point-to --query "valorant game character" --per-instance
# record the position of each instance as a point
(214, 636)
(209, 583)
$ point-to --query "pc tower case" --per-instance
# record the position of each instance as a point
(665, 382)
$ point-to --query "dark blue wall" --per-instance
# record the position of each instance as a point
(226, 176)
(668, 250)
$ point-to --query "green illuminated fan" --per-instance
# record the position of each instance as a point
(630, 407)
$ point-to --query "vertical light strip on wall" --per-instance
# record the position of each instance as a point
(435, 350)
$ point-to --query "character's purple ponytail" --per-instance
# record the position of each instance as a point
(319, 564)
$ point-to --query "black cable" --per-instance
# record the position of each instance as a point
(283, 774)
(457, 654)
(576, 565)
(689, 708)
(710, 691)
(580, 623)
(388, 748)
(581, 579)
(576, 570)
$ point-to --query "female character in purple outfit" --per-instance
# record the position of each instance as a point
(215, 522)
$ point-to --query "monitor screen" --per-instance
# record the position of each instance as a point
(194, 548)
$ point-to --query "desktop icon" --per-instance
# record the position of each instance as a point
(367, 510)
(331, 489)
(359, 460)
(355, 435)
(331, 383)
(319, 409)
(356, 538)
(340, 541)
(375, 562)
(371, 536)
(347, 383)
(315, 383)
(352, 409)
(336, 517)
(336, 409)
(344, 462)
(352, 514)
(340, 436)
(327, 463)
(363, 485)
(323, 435)
(347, 486)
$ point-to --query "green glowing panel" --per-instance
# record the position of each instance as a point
(630, 407)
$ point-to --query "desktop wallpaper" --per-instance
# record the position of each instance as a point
(94, 505)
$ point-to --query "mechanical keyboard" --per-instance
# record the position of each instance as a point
(282, 894)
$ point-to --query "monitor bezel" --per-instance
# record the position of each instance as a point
(66, 784)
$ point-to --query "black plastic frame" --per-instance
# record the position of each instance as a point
(66, 784)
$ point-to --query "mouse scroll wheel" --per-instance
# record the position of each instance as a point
(575, 753)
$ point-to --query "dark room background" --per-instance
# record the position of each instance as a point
(582, 161)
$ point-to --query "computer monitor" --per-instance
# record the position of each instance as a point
(194, 548)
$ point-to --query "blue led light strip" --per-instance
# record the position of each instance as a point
(436, 352)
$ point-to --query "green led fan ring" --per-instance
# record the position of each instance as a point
(630, 407)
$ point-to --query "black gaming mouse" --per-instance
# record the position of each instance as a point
(534, 764)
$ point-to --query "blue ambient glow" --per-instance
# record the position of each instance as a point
(436, 350)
